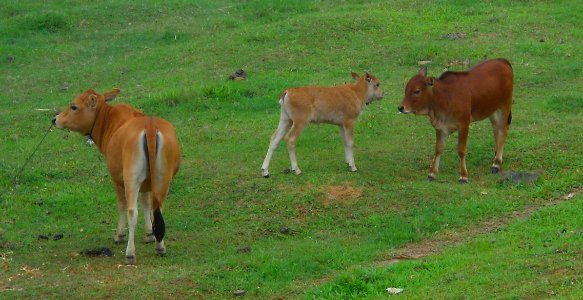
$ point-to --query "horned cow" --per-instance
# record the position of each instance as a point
(456, 99)
(338, 105)
(142, 155)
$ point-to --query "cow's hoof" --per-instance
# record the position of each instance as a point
(149, 238)
(298, 172)
(495, 170)
(130, 260)
(463, 180)
(161, 251)
(265, 173)
(430, 178)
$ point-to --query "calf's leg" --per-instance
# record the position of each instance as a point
(440, 137)
(462, 149)
(283, 127)
(500, 127)
(349, 144)
(295, 132)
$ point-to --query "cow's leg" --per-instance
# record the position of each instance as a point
(120, 232)
(132, 215)
(296, 130)
(147, 209)
(500, 127)
(461, 150)
(162, 191)
(283, 127)
(440, 137)
(349, 146)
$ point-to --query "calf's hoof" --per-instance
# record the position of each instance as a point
(463, 180)
(298, 172)
(495, 170)
(430, 178)
(265, 173)
(130, 260)
(161, 251)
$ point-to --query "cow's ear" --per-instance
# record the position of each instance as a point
(92, 102)
(367, 77)
(429, 81)
(354, 75)
(423, 71)
(111, 94)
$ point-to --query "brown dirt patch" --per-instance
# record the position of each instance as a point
(340, 194)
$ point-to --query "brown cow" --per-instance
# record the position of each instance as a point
(338, 105)
(142, 155)
(456, 99)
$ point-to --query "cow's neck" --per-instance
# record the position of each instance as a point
(107, 121)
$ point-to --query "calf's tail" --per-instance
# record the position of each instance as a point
(509, 118)
(152, 142)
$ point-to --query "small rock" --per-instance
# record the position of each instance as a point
(245, 249)
(239, 293)
(238, 75)
(285, 230)
(104, 251)
(519, 177)
(454, 36)
(10, 58)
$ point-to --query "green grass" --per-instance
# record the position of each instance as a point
(172, 59)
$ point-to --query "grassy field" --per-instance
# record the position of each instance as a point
(317, 235)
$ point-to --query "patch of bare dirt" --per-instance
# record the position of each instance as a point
(340, 194)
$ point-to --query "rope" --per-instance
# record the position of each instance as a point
(15, 180)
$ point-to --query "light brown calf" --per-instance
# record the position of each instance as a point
(338, 105)
(456, 99)
(142, 155)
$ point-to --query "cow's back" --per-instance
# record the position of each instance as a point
(491, 84)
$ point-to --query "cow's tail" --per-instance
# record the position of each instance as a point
(152, 142)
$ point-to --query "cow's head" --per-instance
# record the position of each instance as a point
(374, 86)
(81, 113)
(418, 94)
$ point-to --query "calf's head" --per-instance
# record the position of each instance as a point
(373, 84)
(81, 113)
(418, 94)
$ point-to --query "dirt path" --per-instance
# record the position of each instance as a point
(434, 245)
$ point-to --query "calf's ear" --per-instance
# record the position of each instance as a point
(354, 75)
(423, 71)
(429, 81)
(92, 102)
(367, 77)
(111, 94)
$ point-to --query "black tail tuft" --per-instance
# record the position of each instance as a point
(509, 118)
(159, 227)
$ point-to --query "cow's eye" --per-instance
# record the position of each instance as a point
(378, 84)
(417, 92)
(73, 107)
